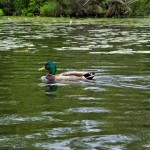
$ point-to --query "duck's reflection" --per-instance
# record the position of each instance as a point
(51, 90)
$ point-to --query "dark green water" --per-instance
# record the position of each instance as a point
(110, 113)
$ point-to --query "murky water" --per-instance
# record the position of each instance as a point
(111, 112)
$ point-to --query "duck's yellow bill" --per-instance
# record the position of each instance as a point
(43, 68)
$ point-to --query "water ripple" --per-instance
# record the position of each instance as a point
(88, 110)
(89, 142)
(15, 119)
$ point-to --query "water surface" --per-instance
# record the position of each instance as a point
(111, 112)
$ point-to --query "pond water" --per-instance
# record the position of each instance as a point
(111, 112)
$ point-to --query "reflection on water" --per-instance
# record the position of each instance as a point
(110, 112)
(51, 90)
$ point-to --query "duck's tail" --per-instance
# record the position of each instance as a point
(89, 75)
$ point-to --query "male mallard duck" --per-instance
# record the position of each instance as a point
(65, 76)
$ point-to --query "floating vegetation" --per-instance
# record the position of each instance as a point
(100, 36)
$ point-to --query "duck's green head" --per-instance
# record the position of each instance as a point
(51, 67)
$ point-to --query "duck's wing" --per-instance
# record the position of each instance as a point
(74, 73)
(87, 75)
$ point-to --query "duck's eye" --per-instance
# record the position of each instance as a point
(47, 67)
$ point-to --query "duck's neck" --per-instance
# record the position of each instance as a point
(50, 77)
